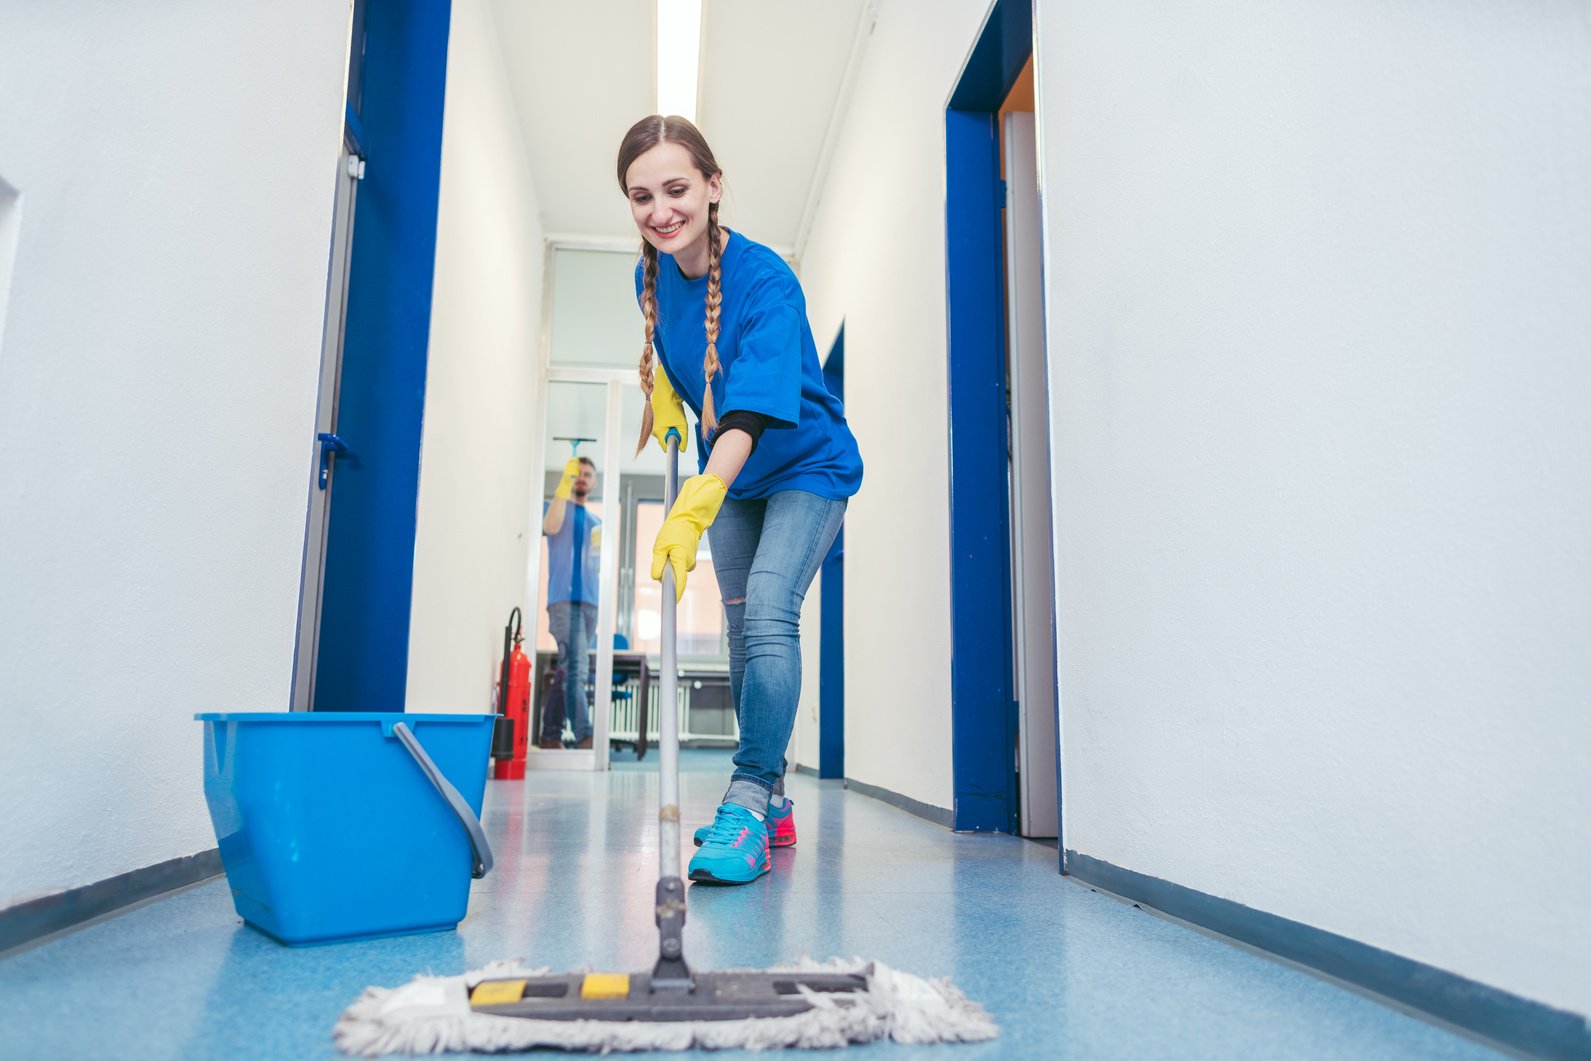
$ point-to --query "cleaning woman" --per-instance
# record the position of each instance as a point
(727, 322)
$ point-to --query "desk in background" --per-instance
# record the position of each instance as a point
(706, 708)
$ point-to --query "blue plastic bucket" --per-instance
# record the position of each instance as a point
(348, 825)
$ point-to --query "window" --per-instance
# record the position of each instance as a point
(595, 321)
(700, 618)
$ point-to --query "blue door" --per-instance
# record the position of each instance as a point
(984, 714)
(397, 81)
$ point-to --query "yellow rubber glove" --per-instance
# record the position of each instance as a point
(571, 472)
(668, 411)
(694, 511)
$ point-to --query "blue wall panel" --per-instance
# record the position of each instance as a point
(831, 646)
(364, 638)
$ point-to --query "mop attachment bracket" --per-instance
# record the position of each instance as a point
(671, 973)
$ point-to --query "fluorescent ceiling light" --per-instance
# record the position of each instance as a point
(679, 41)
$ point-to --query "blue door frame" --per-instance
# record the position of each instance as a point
(831, 642)
(984, 713)
(399, 76)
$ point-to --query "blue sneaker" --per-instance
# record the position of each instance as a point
(735, 850)
(781, 827)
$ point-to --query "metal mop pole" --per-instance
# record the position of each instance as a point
(671, 973)
(672, 993)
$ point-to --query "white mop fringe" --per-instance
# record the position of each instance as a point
(431, 1015)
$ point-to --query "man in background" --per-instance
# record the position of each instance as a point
(573, 539)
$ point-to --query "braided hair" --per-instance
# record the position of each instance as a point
(642, 137)
(649, 312)
(715, 299)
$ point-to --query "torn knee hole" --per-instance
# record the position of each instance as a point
(737, 600)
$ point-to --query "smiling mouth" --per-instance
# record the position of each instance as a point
(669, 230)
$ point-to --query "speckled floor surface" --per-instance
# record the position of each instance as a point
(1065, 971)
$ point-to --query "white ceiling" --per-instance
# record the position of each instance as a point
(772, 73)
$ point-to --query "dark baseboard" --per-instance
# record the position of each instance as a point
(937, 815)
(1490, 1013)
(28, 923)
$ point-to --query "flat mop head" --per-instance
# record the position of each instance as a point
(809, 1005)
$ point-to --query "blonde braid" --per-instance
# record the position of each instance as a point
(649, 312)
(715, 298)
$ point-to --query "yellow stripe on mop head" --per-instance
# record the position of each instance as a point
(497, 992)
(605, 985)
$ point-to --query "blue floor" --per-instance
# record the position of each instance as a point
(1063, 969)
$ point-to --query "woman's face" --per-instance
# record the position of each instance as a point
(669, 199)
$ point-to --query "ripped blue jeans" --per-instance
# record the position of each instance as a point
(765, 553)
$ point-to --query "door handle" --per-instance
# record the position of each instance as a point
(330, 445)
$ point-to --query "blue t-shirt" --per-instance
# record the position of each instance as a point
(768, 364)
(567, 579)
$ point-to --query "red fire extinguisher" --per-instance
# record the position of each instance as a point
(513, 704)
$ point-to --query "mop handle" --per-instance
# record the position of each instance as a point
(668, 706)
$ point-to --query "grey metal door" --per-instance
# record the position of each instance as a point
(1032, 577)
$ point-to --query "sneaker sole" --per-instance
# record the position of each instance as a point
(705, 876)
(771, 842)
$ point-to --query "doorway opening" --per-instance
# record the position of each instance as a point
(592, 410)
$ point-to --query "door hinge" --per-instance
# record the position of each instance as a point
(356, 167)
(330, 447)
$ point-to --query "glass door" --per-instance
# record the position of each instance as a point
(581, 524)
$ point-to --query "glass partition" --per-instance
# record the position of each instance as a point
(596, 548)
(700, 618)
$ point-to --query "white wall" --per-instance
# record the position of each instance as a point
(875, 260)
(175, 165)
(1320, 347)
(483, 390)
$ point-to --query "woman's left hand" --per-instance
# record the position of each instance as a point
(694, 511)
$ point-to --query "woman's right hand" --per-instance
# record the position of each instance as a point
(668, 410)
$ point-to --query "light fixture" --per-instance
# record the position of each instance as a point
(679, 41)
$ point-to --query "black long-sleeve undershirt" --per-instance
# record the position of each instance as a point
(753, 424)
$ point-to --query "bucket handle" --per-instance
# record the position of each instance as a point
(479, 848)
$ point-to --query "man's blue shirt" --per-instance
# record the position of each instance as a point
(566, 579)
